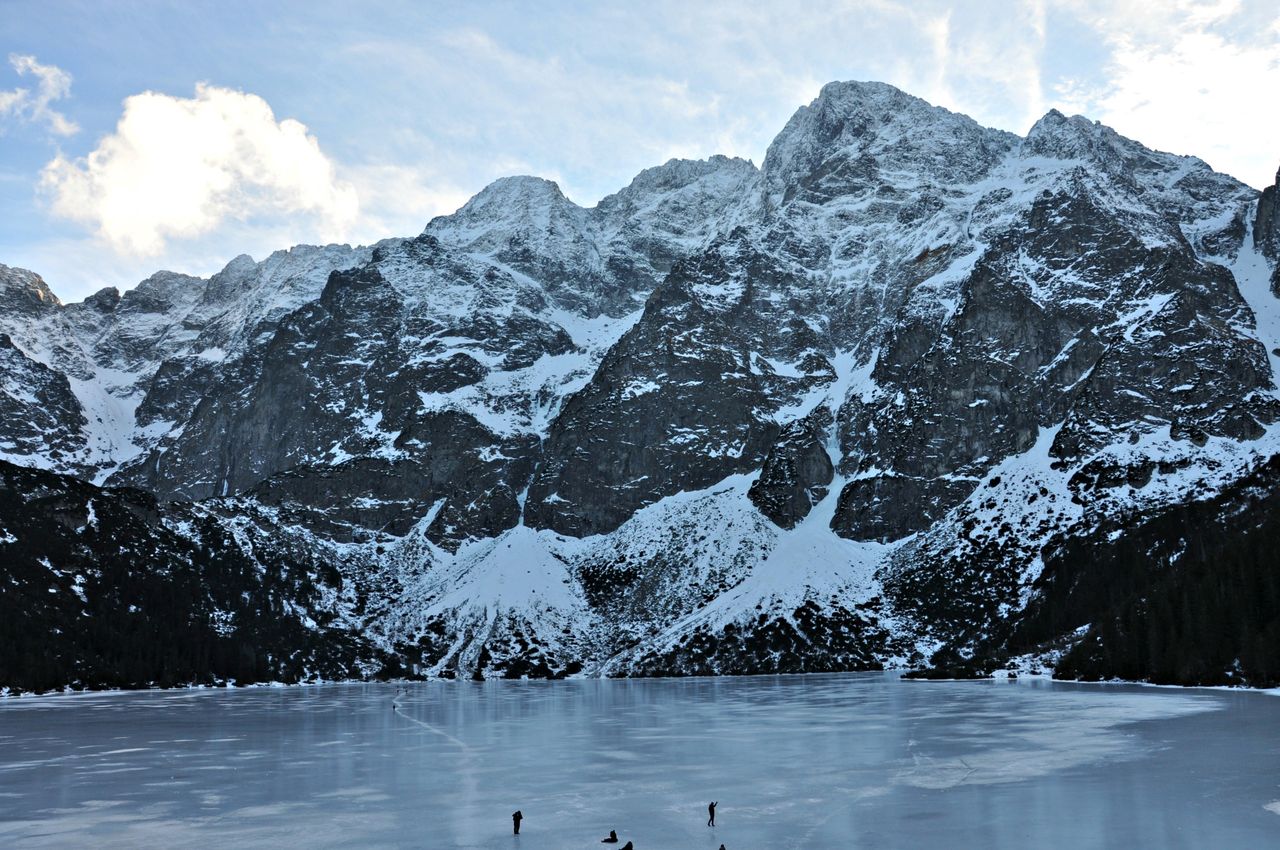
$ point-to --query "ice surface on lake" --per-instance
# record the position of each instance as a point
(795, 762)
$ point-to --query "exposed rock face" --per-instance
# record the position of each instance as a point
(42, 417)
(1266, 229)
(1084, 306)
(25, 294)
(139, 363)
(679, 403)
(797, 472)
(817, 415)
(443, 362)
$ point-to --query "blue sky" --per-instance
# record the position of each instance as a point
(141, 136)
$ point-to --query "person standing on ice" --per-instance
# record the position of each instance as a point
(516, 817)
(711, 814)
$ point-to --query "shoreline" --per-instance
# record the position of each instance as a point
(1022, 677)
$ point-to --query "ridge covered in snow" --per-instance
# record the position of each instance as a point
(828, 413)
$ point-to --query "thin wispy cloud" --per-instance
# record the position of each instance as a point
(399, 199)
(1182, 78)
(34, 106)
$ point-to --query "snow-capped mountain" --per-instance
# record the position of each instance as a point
(841, 411)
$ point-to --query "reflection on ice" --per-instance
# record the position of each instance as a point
(803, 762)
(1000, 748)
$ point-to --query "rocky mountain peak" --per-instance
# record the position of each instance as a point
(1266, 224)
(1057, 136)
(854, 132)
(1186, 182)
(249, 291)
(526, 222)
(1056, 124)
(25, 292)
(228, 282)
(673, 175)
(840, 100)
(104, 300)
(607, 258)
(672, 209)
(521, 201)
(241, 265)
(164, 291)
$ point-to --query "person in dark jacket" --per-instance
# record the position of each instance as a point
(628, 846)
(711, 814)
(612, 839)
(516, 817)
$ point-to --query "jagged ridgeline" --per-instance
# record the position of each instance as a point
(912, 389)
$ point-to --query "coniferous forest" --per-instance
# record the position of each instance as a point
(100, 593)
(1191, 596)
(145, 595)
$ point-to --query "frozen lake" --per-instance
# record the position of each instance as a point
(795, 762)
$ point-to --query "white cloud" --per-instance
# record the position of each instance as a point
(180, 167)
(1183, 79)
(399, 200)
(52, 83)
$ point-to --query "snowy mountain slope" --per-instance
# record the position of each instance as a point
(643, 600)
(42, 416)
(989, 551)
(1031, 284)
(1186, 595)
(826, 414)
(433, 370)
(608, 258)
(137, 363)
